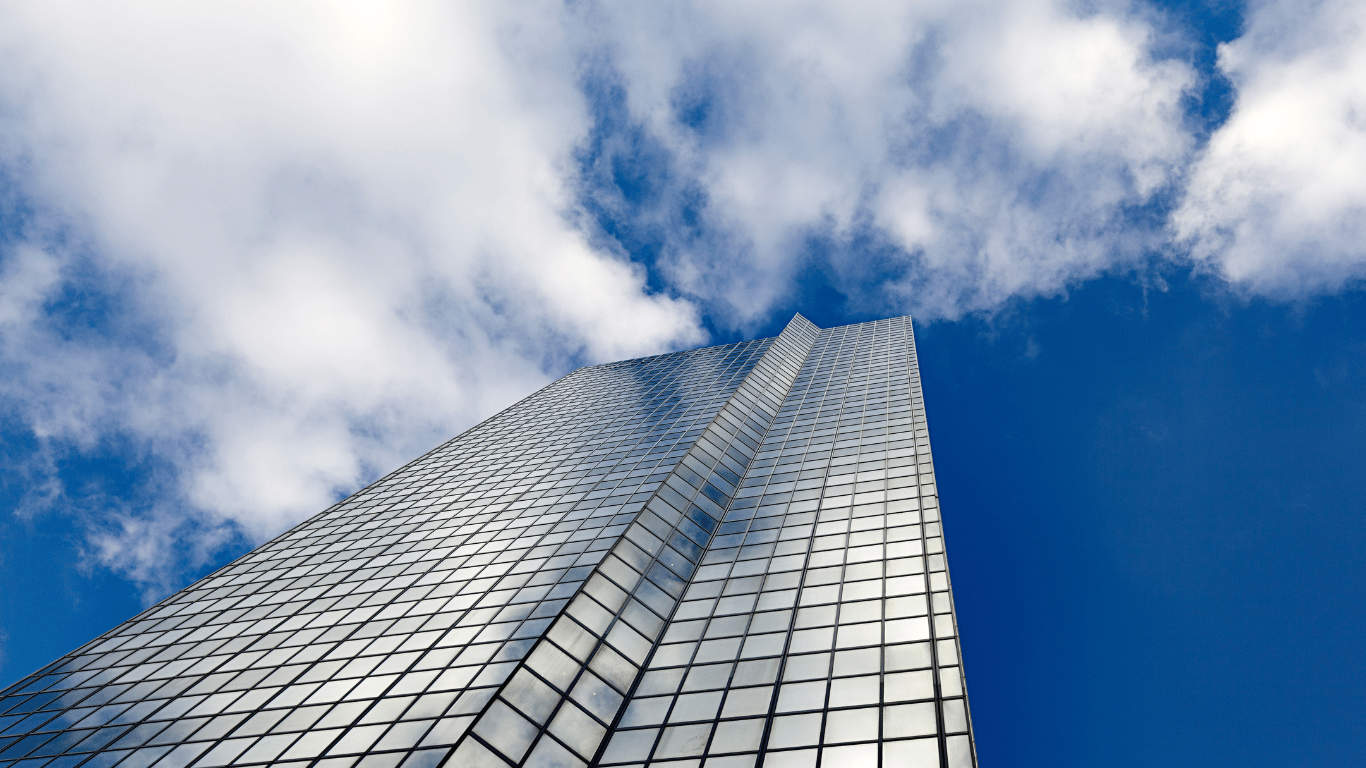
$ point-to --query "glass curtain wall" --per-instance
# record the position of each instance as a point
(371, 634)
(726, 557)
(819, 628)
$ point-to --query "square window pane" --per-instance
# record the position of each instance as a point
(916, 753)
(854, 691)
(736, 736)
(798, 696)
(650, 711)
(660, 681)
(707, 676)
(913, 656)
(908, 686)
(795, 731)
(808, 667)
(755, 672)
(853, 756)
(696, 706)
(908, 720)
(741, 702)
(683, 741)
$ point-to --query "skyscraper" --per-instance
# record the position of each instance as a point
(726, 557)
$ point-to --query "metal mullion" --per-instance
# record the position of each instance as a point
(830, 671)
(543, 729)
(657, 642)
(882, 618)
(583, 667)
(777, 680)
(753, 611)
(811, 541)
(844, 572)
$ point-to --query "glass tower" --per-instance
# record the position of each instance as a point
(722, 558)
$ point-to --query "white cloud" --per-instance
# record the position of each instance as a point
(345, 224)
(328, 235)
(995, 146)
(1277, 202)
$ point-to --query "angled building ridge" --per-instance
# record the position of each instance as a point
(729, 557)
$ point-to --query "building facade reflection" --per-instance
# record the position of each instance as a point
(726, 557)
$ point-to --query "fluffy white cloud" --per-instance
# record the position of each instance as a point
(1277, 202)
(341, 229)
(995, 147)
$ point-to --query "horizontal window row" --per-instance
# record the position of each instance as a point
(901, 753)
(896, 726)
(810, 696)
(800, 641)
(854, 618)
(457, 655)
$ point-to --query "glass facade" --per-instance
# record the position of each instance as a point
(722, 558)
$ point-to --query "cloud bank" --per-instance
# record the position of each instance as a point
(337, 234)
(269, 250)
(1277, 202)
(994, 149)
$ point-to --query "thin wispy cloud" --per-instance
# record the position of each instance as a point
(270, 250)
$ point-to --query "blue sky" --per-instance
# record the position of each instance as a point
(252, 258)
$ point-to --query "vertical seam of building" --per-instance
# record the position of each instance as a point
(785, 391)
(798, 335)
(599, 556)
(907, 364)
(768, 717)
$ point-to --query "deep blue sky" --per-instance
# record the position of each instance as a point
(1153, 505)
(1157, 538)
